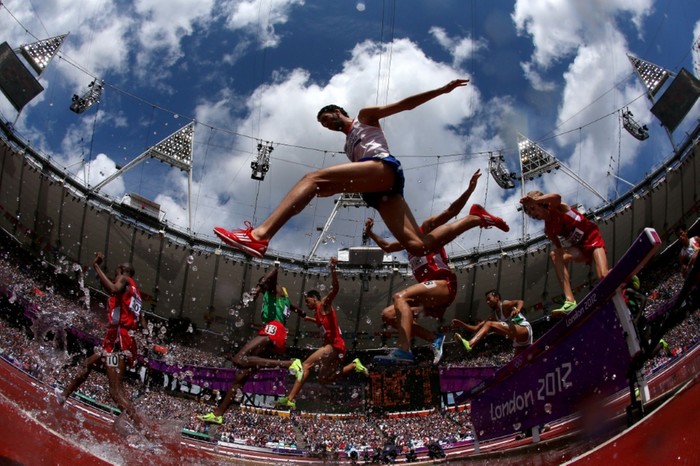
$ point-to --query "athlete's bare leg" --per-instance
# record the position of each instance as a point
(600, 259)
(510, 331)
(238, 382)
(364, 177)
(248, 357)
(561, 257)
(115, 377)
(402, 224)
(326, 360)
(361, 177)
(471, 328)
(83, 372)
(247, 362)
(408, 301)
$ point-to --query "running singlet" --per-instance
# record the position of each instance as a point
(365, 141)
(330, 330)
(432, 266)
(573, 228)
(125, 308)
(518, 319)
(276, 308)
(123, 319)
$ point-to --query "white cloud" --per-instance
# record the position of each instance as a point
(461, 49)
(162, 26)
(586, 34)
(259, 17)
(285, 111)
(535, 79)
(98, 169)
(558, 27)
(577, 51)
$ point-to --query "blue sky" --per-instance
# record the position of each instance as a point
(249, 71)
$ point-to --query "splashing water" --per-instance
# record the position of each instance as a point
(247, 297)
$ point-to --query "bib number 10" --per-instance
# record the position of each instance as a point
(112, 360)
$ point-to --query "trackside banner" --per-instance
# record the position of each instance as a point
(592, 361)
(584, 355)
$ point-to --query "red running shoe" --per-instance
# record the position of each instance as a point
(243, 240)
(488, 220)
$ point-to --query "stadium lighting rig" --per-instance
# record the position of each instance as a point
(39, 54)
(640, 132)
(261, 164)
(534, 160)
(500, 172)
(89, 98)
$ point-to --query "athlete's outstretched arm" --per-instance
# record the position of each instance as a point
(120, 282)
(383, 244)
(267, 282)
(430, 223)
(335, 284)
(513, 306)
(372, 115)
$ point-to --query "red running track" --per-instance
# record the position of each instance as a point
(670, 435)
(36, 431)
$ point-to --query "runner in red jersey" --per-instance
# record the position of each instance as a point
(436, 288)
(329, 357)
(575, 238)
(118, 347)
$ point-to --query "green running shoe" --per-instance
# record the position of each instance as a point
(286, 402)
(212, 418)
(464, 342)
(566, 308)
(359, 367)
(297, 369)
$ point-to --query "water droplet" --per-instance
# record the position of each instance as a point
(517, 426)
(548, 408)
(190, 259)
(368, 320)
(246, 299)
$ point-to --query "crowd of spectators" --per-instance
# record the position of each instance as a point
(420, 431)
(39, 347)
(321, 434)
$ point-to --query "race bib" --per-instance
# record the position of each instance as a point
(112, 360)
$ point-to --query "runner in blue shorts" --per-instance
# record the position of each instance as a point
(372, 171)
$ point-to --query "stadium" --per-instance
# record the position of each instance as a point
(592, 386)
